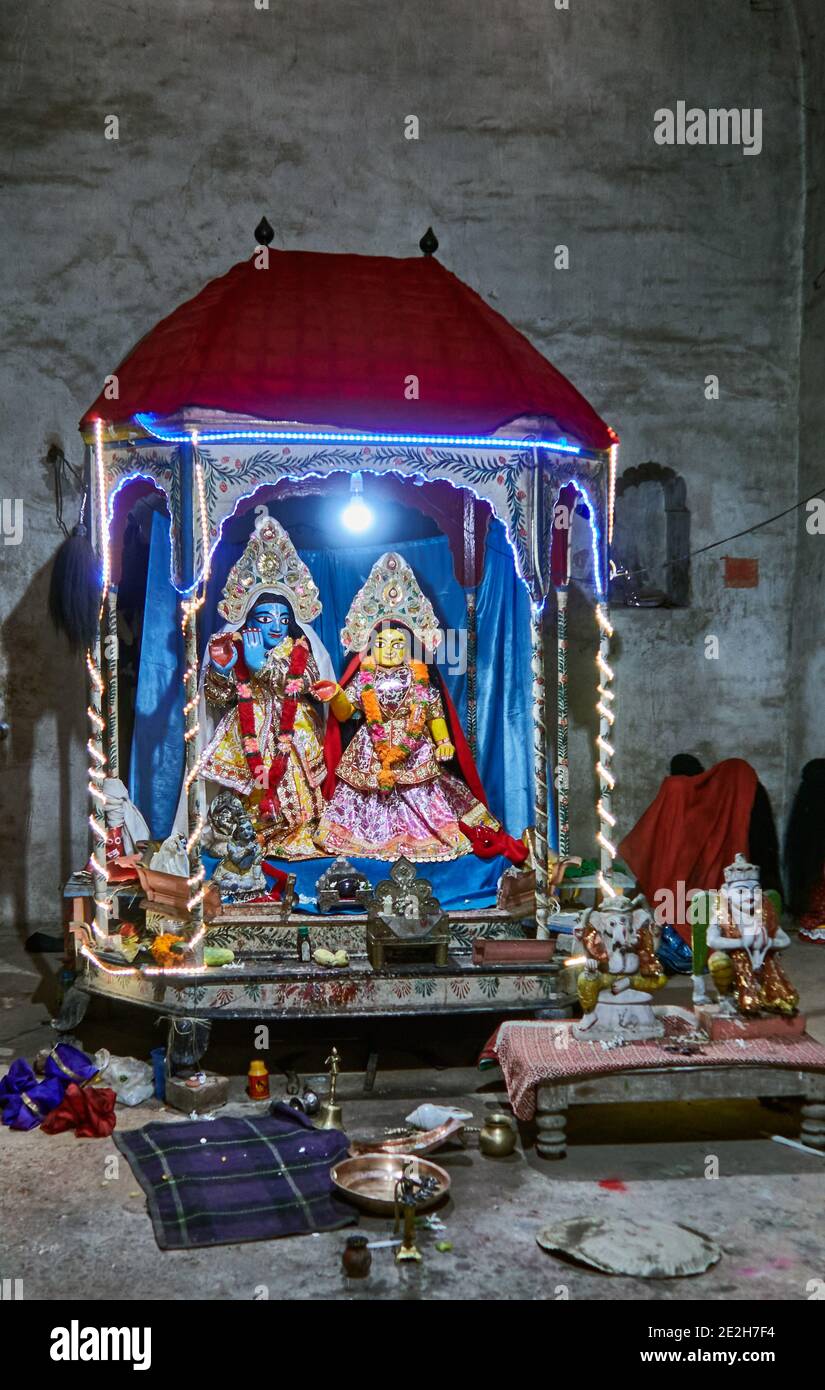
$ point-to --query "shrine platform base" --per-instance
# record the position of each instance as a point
(267, 980)
(268, 988)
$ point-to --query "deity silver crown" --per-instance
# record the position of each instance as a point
(270, 564)
(741, 871)
(391, 595)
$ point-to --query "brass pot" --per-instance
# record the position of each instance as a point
(497, 1137)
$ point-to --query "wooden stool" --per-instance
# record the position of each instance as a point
(680, 1083)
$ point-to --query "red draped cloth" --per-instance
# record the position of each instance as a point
(692, 831)
(90, 1112)
(326, 339)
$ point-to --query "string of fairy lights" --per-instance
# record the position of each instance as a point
(605, 707)
(94, 744)
(605, 751)
(145, 970)
(190, 608)
(611, 489)
(605, 704)
(191, 605)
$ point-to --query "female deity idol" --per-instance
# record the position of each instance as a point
(260, 669)
(391, 793)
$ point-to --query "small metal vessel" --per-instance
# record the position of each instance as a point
(497, 1137)
(357, 1258)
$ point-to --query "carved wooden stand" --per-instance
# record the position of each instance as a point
(680, 1083)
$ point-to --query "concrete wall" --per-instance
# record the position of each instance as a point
(535, 129)
(807, 651)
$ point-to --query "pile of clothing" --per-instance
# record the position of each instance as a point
(61, 1099)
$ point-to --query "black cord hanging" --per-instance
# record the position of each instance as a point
(75, 583)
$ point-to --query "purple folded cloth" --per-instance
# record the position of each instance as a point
(26, 1108)
(66, 1063)
(19, 1077)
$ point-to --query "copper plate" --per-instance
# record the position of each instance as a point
(422, 1143)
(369, 1180)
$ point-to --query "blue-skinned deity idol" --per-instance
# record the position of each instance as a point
(267, 744)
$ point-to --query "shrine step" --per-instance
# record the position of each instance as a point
(349, 933)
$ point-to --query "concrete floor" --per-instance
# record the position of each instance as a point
(61, 1213)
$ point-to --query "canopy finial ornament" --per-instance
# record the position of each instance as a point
(429, 242)
(264, 232)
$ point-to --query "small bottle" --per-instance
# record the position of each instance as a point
(357, 1257)
(304, 947)
(257, 1081)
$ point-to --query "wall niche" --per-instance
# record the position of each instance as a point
(651, 539)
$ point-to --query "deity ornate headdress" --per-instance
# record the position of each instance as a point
(270, 564)
(618, 903)
(392, 595)
(741, 871)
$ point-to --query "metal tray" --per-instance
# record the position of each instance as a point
(369, 1180)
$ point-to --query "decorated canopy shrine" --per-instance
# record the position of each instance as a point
(338, 779)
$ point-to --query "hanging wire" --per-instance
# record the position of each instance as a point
(64, 471)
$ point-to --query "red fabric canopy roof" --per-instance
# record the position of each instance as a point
(331, 339)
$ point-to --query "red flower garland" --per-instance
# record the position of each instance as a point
(270, 780)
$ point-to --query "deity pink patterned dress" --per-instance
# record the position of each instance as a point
(393, 792)
(418, 816)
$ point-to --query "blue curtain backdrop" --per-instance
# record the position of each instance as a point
(156, 765)
(504, 724)
(504, 687)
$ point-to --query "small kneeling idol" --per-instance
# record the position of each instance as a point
(231, 837)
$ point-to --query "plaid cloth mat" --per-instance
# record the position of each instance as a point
(218, 1182)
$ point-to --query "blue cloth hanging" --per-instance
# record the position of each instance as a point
(157, 761)
(459, 884)
(504, 690)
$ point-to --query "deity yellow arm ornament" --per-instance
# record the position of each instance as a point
(437, 725)
(441, 738)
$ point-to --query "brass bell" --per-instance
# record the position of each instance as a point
(329, 1115)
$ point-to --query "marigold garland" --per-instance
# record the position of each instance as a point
(168, 948)
(389, 754)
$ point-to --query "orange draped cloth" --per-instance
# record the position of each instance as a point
(691, 831)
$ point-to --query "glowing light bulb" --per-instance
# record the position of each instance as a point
(357, 516)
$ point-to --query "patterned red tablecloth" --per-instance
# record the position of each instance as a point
(531, 1054)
